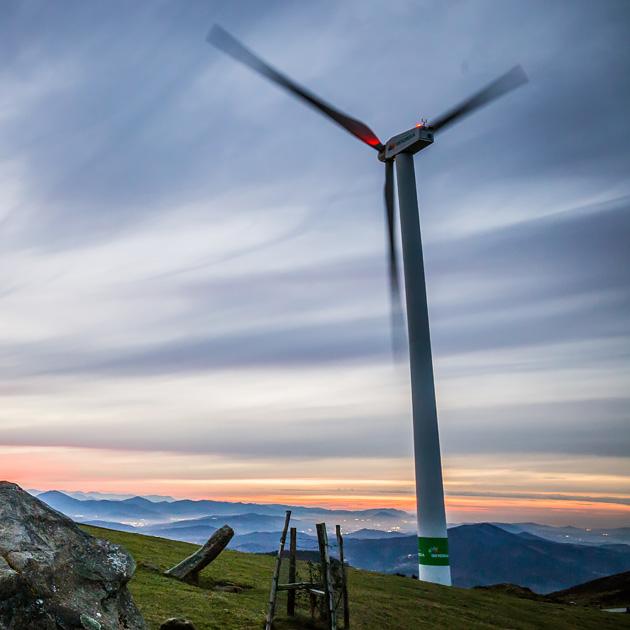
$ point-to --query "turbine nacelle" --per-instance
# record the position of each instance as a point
(410, 141)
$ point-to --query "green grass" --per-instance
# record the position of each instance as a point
(377, 601)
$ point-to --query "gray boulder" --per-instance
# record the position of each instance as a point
(54, 576)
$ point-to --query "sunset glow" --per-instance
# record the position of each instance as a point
(143, 473)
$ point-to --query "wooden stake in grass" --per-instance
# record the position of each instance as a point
(344, 585)
(188, 569)
(322, 539)
(276, 573)
(292, 572)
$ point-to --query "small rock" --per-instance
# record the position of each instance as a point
(177, 623)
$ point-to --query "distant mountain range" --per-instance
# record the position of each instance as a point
(539, 557)
(112, 496)
(568, 534)
(484, 554)
(140, 512)
(487, 554)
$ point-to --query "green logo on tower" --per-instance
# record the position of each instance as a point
(433, 551)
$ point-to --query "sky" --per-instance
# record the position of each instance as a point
(193, 288)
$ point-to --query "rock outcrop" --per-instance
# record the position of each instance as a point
(54, 576)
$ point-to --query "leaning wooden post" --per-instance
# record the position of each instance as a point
(276, 573)
(344, 586)
(322, 539)
(292, 572)
(189, 568)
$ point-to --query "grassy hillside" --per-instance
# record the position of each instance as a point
(607, 592)
(377, 601)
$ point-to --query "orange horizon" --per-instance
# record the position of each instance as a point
(460, 508)
(553, 500)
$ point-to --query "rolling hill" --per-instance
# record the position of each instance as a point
(199, 529)
(481, 554)
(377, 601)
(371, 534)
(484, 554)
(493, 555)
(607, 592)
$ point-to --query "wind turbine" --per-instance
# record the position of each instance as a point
(433, 556)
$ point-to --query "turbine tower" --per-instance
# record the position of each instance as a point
(433, 556)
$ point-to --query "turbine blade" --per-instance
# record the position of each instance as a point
(228, 44)
(505, 83)
(394, 287)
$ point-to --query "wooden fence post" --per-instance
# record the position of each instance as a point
(189, 568)
(322, 539)
(344, 587)
(276, 573)
(292, 572)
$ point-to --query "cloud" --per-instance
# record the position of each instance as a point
(577, 427)
(551, 280)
